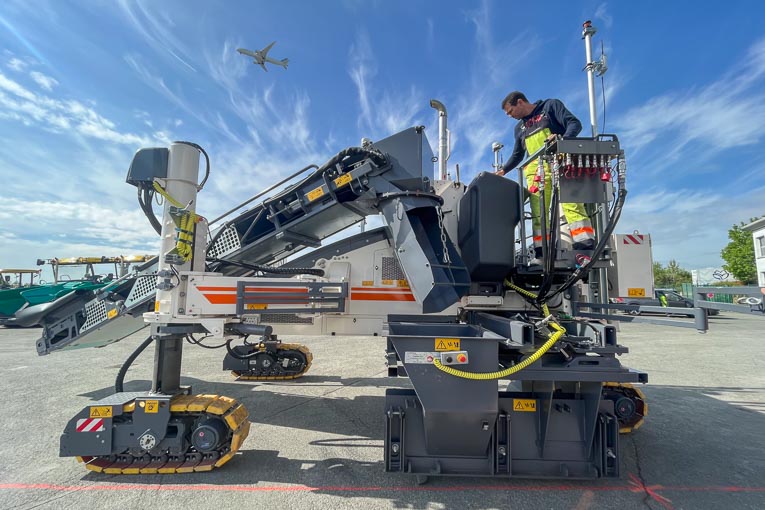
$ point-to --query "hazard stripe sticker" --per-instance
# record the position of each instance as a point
(633, 239)
(90, 425)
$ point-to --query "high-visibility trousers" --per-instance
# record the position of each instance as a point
(576, 215)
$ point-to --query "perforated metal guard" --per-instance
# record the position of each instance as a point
(95, 313)
(144, 286)
(227, 242)
(284, 318)
(391, 270)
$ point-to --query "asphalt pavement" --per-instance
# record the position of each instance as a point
(316, 442)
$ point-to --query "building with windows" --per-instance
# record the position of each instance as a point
(757, 228)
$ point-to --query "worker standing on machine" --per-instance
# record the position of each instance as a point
(537, 123)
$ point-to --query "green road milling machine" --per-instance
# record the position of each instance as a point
(29, 305)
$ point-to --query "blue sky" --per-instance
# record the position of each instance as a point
(83, 85)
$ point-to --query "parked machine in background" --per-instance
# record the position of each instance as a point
(12, 283)
(36, 304)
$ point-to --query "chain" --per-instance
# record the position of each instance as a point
(440, 214)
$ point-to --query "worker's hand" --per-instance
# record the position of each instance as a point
(552, 137)
(500, 172)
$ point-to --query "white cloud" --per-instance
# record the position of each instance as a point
(59, 115)
(157, 83)
(601, 13)
(706, 120)
(362, 70)
(689, 225)
(91, 229)
(478, 117)
(156, 30)
(383, 110)
(16, 64)
(44, 81)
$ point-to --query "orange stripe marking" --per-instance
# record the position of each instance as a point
(582, 230)
(221, 299)
(381, 296)
(379, 289)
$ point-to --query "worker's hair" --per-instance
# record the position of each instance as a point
(513, 98)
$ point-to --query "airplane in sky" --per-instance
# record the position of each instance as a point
(261, 57)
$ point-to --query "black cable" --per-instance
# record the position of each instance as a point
(207, 159)
(144, 201)
(552, 248)
(236, 355)
(190, 339)
(118, 382)
(581, 271)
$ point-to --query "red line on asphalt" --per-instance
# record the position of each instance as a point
(630, 487)
(651, 491)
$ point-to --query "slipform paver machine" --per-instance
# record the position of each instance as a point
(444, 280)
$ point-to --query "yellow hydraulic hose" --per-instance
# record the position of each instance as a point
(483, 376)
(185, 228)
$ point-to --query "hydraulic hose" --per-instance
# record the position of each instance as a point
(484, 376)
(118, 382)
(581, 271)
(551, 247)
(376, 156)
(144, 200)
(236, 355)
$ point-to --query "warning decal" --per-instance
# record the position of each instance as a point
(101, 412)
(90, 425)
(343, 179)
(314, 194)
(447, 344)
(635, 292)
(152, 406)
(527, 405)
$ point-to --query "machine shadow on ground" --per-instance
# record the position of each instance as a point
(690, 449)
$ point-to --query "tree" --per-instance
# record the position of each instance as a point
(739, 254)
(670, 277)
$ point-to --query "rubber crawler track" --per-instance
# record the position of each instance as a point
(245, 376)
(228, 409)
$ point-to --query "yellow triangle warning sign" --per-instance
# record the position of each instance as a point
(101, 412)
(518, 405)
(441, 345)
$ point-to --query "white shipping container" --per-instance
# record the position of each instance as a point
(632, 275)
